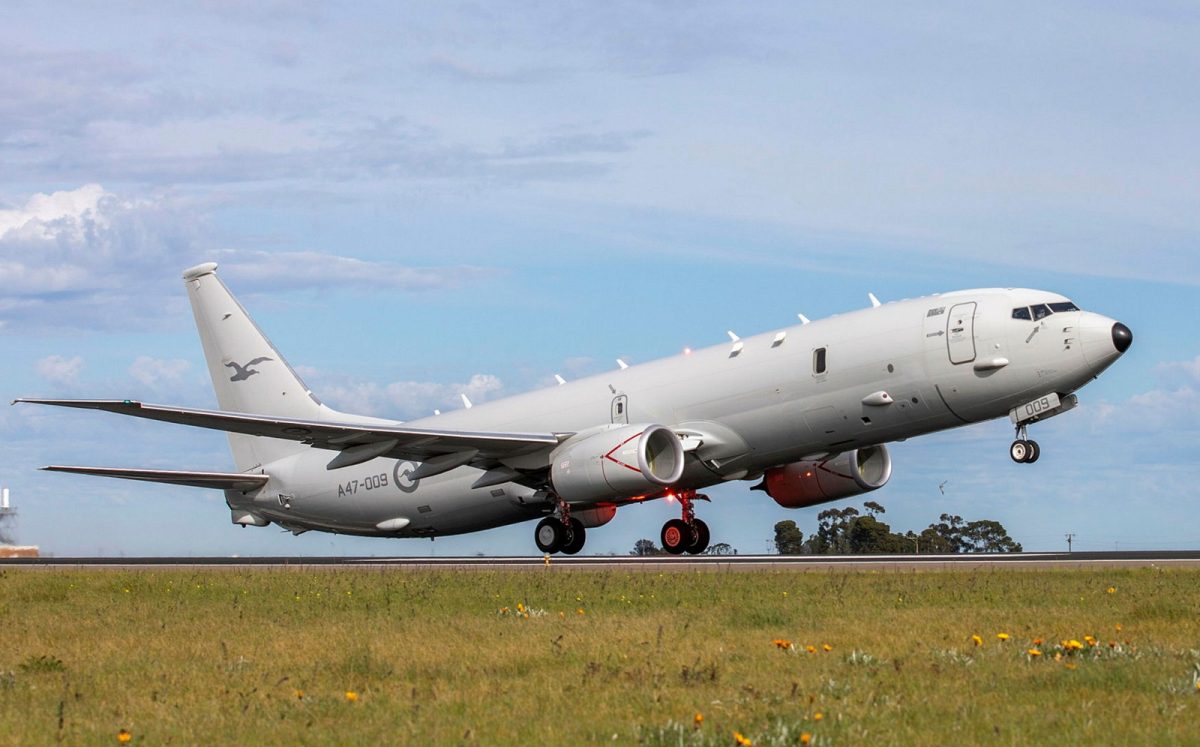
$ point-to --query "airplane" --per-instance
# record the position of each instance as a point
(806, 411)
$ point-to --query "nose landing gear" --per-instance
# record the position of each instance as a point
(687, 534)
(1023, 450)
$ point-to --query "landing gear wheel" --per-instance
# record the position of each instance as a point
(550, 535)
(700, 537)
(676, 536)
(1035, 452)
(577, 537)
(1020, 451)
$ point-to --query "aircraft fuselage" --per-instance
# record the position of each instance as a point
(859, 379)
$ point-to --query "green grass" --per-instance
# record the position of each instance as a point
(267, 656)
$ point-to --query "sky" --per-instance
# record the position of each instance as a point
(418, 200)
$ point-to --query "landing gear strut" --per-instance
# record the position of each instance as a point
(687, 534)
(560, 533)
(1023, 450)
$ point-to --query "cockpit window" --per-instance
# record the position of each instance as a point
(1040, 311)
(1063, 306)
(1022, 313)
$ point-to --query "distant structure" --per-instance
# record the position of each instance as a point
(8, 518)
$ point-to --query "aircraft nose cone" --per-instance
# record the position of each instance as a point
(1122, 337)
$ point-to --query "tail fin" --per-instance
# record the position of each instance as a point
(248, 373)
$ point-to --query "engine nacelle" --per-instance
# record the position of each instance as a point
(619, 462)
(810, 482)
(591, 518)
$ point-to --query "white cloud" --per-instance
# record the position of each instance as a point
(402, 399)
(311, 269)
(87, 258)
(158, 372)
(1173, 370)
(60, 370)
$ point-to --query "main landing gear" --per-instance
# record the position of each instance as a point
(1023, 450)
(687, 534)
(560, 533)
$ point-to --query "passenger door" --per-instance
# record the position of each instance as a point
(960, 333)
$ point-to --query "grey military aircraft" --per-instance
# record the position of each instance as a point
(807, 411)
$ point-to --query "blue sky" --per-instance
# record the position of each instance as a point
(420, 199)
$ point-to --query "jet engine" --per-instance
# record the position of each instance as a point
(619, 461)
(809, 482)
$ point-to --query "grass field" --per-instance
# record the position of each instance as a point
(558, 657)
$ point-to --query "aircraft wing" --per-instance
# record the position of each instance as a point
(354, 440)
(218, 480)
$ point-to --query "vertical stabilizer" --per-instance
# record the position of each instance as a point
(248, 373)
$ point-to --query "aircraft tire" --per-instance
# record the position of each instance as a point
(1035, 452)
(676, 536)
(1019, 451)
(700, 537)
(577, 537)
(550, 535)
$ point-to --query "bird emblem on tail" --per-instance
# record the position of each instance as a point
(243, 371)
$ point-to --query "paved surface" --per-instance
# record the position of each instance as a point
(1185, 558)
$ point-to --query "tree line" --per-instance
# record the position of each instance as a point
(848, 531)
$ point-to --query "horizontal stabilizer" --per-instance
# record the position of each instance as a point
(217, 480)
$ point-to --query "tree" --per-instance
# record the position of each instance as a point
(868, 535)
(987, 535)
(645, 547)
(846, 531)
(832, 530)
(721, 548)
(789, 540)
(953, 535)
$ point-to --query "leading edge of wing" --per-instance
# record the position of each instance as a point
(417, 443)
(217, 480)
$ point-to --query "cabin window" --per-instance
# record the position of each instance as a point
(819, 361)
(1041, 311)
(1063, 306)
(1022, 313)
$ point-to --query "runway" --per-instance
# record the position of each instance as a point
(659, 563)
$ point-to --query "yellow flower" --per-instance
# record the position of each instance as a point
(977, 640)
(579, 611)
(1112, 590)
(810, 649)
(1197, 685)
(741, 741)
(782, 643)
(826, 647)
(520, 608)
(698, 720)
(299, 694)
(1002, 636)
(1089, 640)
(351, 696)
(818, 716)
(124, 737)
(1034, 652)
(1117, 627)
(1072, 645)
(805, 738)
